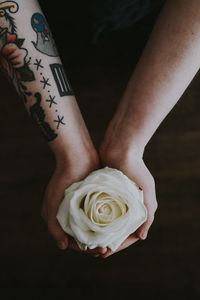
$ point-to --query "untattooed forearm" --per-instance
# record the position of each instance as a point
(30, 60)
(168, 64)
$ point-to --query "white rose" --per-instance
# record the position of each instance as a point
(102, 210)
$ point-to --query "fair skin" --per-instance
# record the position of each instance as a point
(168, 64)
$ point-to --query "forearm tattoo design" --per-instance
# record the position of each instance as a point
(22, 69)
(61, 80)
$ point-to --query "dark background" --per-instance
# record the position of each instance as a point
(166, 265)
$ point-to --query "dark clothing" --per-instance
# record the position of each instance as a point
(113, 15)
(98, 17)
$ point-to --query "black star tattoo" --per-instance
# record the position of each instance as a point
(51, 100)
(38, 64)
(45, 82)
(59, 121)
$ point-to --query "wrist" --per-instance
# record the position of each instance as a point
(118, 144)
(76, 162)
(114, 154)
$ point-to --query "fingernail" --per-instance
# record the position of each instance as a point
(62, 245)
(143, 236)
(103, 250)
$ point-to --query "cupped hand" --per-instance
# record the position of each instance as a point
(132, 165)
(64, 175)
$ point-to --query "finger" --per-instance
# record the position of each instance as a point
(73, 245)
(61, 238)
(97, 251)
(128, 242)
(58, 234)
(142, 232)
(150, 202)
(151, 205)
(108, 253)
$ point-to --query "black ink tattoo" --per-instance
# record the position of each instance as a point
(38, 115)
(51, 101)
(59, 121)
(60, 78)
(38, 64)
(45, 42)
(45, 82)
(26, 74)
(24, 92)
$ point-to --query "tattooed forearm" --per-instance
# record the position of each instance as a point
(13, 56)
(29, 58)
(62, 83)
(38, 115)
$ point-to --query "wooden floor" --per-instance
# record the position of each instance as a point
(166, 265)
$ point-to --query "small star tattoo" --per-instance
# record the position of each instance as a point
(45, 82)
(51, 100)
(38, 64)
(59, 121)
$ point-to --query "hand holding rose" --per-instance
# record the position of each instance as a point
(102, 210)
(101, 203)
(130, 162)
